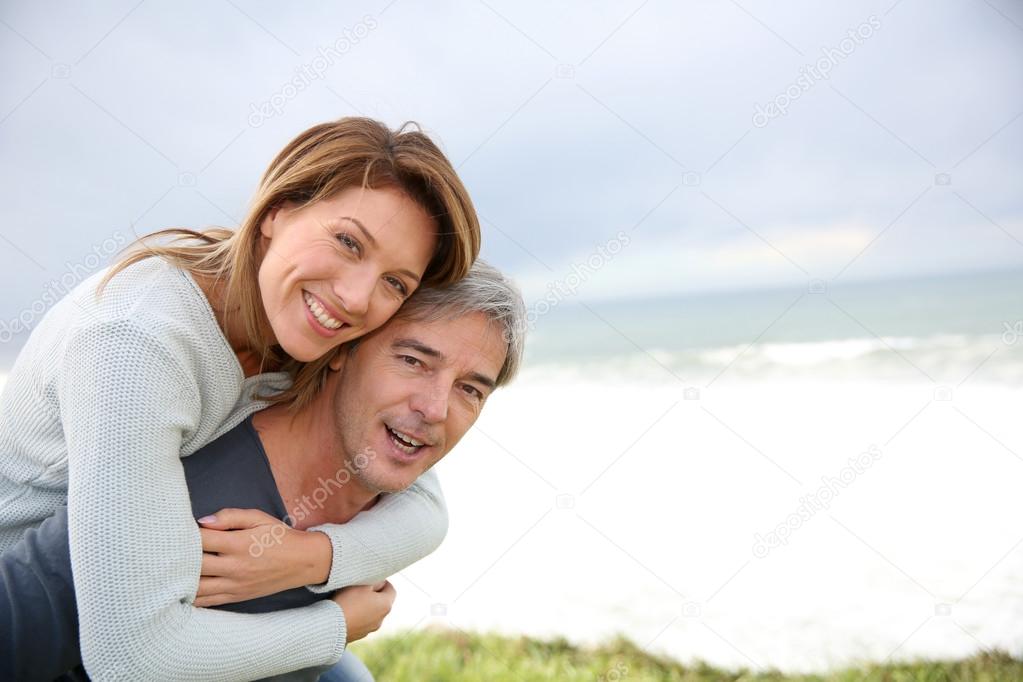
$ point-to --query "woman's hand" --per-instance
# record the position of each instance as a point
(248, 553)
(365, 607)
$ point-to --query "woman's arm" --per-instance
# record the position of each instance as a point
(400, 529)
(126, 403)
(396, 532)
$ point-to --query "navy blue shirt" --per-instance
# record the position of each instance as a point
(38, 613)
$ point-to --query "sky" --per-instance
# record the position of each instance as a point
(614, 151)
(655, 147)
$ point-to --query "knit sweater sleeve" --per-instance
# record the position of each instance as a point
(399, 530)
(126, 406)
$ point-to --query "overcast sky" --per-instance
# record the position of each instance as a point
(572, 123)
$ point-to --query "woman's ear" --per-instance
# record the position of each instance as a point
(270, 220)
(337, 362)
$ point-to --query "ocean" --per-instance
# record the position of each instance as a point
(946, 323)
(790, 478)
(798, 478)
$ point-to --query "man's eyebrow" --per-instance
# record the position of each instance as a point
(483, 379)
(413, 344)
(419, 346)
(373, 242)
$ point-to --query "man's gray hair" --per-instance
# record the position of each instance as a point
(484, 290)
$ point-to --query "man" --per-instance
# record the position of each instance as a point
(392, 406)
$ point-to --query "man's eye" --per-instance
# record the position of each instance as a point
(473, 391)
(348, 241)
(409, 360)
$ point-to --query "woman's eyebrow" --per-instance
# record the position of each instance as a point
(373, 242)
(365, 233)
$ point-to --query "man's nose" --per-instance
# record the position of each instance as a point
(432, 403)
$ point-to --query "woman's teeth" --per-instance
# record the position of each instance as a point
(320, 314)
(405, 443)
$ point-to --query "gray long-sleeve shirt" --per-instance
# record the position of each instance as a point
(38, 615)
(108, 397)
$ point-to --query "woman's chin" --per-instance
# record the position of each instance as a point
(306, 340)
(303, 349)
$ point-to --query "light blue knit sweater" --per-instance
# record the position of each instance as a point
(103, 400)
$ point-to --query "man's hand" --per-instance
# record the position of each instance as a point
(365, 607)
(248, 553)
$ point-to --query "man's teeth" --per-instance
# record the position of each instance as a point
(408, 439)
(320, 314)
(404, 442)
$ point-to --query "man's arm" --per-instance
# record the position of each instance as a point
(38, 616)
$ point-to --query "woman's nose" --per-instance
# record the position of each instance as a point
(355, 292)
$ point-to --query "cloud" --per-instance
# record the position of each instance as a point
(558, 160)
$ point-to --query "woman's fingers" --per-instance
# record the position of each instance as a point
(365, 607)
(212, 589)
(236, 518)
(216, 540)
(388, 592)
(213, 600)
(214, 565)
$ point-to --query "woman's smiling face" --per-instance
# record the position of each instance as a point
(339, 268)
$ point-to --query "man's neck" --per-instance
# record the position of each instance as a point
(310, 470)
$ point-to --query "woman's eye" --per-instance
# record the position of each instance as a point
(398, 285)
(473, 392)
(349, 242)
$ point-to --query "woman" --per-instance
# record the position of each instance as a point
(162, 355)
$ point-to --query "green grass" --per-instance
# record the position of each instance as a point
(442, 655)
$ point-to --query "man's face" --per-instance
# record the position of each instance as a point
(410, 391)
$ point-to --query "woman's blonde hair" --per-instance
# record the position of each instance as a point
(316, 165)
